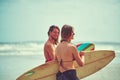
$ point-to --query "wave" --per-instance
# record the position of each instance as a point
(36, 48)
(29, 48)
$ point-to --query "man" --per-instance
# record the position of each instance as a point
(49, 47)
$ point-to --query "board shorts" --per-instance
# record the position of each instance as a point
(48, 60)
(67, 75)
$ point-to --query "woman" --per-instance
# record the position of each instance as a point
(66, 53)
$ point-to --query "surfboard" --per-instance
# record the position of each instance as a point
(85, 47)
(94, 61)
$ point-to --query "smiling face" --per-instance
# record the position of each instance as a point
(54, 34)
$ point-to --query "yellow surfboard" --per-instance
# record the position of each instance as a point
(94, 61)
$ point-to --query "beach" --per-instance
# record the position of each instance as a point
(24, 25)
(13, 65)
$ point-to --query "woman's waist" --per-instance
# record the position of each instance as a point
(66, 68)
(69, 70)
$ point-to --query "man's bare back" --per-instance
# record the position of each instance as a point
(49, 51)
(49, 47)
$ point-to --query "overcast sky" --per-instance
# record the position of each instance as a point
(29, 20)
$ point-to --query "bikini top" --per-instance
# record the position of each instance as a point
(61, 64)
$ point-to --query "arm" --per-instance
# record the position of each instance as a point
(51, 52)
(79, 60)
(82, 56)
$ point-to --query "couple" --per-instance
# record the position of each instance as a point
(65, 52)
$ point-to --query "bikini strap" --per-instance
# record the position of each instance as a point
(61, 64)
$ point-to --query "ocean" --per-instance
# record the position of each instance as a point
(17, 58)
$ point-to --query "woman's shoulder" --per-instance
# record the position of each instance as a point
(72, 45)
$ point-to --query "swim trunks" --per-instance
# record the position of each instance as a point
(67, 75)
(48, 60)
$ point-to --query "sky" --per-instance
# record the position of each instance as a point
(29, 20)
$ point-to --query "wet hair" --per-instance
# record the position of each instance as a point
(52, 28)
(66, 32)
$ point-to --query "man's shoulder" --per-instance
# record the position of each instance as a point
(48, 44)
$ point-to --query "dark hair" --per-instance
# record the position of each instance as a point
(52, 28)
(66, 32)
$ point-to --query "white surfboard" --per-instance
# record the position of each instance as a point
(94, 61)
